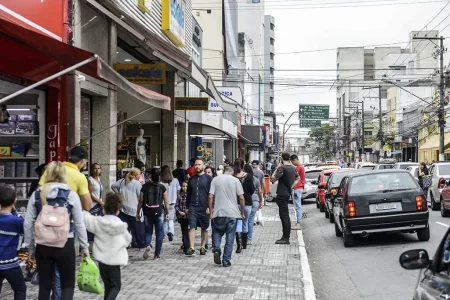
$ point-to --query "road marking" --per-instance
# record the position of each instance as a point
(445, 225)
(308, 285)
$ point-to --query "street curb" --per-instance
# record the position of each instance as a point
(308, 285)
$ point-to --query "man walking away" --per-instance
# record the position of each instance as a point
(197, 205)
(286, 175)
(179, 173)
(298, 190)
(224, 190)
(257, 172)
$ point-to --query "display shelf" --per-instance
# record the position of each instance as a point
(18, 178)
(18, 136)
(19, 158)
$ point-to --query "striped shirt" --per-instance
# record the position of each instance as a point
(11, 227)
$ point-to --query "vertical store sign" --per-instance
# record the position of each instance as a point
(173, 20)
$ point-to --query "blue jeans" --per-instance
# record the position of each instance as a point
(251, 219)
(242, 225)
(227, 226)
(56, 292)
(297, 196)
(157, 223)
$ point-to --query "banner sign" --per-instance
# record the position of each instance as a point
(143, 73)
(191, 103)
(173, 20)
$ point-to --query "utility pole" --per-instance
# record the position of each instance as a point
(380, 133)
(284, 127)
(440, 51)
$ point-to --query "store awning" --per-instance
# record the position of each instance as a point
(39, 58)
(433, 142)
(244, 139)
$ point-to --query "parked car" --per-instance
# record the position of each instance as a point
(434, 279)
(365, 165)
(414, 170)
(404, 165)
(445, 199)
(380, 201)
(440, 172)
(322, 181)
(384, 166)
(331, 187)
(311, 183)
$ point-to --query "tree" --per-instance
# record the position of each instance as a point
(324, 137)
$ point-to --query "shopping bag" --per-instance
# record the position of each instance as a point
(426, 181)
(88, 277)
(259, 219)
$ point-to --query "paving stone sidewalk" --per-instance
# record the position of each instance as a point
(263, 271)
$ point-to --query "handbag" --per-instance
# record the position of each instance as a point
(259, 219)
(426, 181)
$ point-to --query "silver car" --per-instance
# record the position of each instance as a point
(438, 171)
(414, 170)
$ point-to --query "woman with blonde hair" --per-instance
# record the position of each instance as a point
(55, 192)
(173, 189)
(130, 188)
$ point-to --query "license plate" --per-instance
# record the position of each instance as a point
(386, 206)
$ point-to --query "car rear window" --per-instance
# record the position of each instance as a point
(337, 178)
(371, 183)
(404, 166)
(312, 175)
(368, 167)
(325, 177)
(444, 169)
(383, 167)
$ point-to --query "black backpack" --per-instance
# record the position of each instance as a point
(153, 201)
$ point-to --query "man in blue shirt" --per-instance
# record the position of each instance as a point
(197, 205)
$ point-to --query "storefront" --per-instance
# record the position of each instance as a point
(251, 142)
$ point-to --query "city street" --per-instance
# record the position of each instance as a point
(369, 271)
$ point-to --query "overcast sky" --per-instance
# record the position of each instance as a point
(309, 29)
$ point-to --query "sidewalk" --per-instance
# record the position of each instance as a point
(262, 271)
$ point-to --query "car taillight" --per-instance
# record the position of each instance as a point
(333, 191)
(350, 209)
(420, 205)
(440, 185)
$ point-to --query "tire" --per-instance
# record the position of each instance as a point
(336, 230)
(349, 239)
(424, 234)
(331, 218)
(327, 214)
(434, 205)
(322, 207)
(444, 213)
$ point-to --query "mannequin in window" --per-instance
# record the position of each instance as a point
(140, 147)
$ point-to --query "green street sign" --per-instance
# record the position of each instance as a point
(310, 123)
(314, 111)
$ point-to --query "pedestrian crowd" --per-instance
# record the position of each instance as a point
(67, 213)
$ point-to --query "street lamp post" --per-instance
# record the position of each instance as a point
(284, 127)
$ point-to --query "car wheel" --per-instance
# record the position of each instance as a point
(331, 218)
(349, 239)
(424, 234)
(434, 205)
(444, 213)
(322, 207)
(327, 214)
(337, 231)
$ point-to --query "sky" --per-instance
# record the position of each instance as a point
(324, 28)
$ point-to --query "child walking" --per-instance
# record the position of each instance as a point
(180, 207)
(11, 226)
(110, 244)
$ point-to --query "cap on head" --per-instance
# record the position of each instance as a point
(255, 162)
(78, 153)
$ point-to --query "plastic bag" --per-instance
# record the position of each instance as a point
(88, 277)
(259, 219)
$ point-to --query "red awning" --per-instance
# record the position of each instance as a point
(33, 56)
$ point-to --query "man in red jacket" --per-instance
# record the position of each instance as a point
(298, 190)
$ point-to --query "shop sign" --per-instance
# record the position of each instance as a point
(52, 142)
(44, 17)
(196, 36)
(229, 94)
(143, 73)
(173, 20)
(255, 147)
(191, 103)
(145, 5)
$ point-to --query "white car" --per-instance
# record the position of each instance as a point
(438, 171)
(310, 189)
(414, 170)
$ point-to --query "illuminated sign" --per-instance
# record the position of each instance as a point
(173, 20)
(143, 73)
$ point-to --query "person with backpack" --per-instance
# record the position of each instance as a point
(154, 203)
(11, 227)
(130, 189)
(48, 225)
(246, 179)
(110, 244)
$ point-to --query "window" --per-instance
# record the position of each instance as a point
(382, 181)
(272, 56)
(272, 71)
(272, 27)
(272, 41)
(271, 100)
(271, 85)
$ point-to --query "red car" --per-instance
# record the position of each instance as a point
(320, 194)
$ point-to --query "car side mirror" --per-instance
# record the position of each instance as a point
(322, 186)
(414, 259)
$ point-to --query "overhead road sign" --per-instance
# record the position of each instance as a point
(310, 123)
(314, 111)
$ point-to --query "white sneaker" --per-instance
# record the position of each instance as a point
(146, 252)
(296, 227)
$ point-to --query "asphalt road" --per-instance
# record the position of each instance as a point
(368, 271)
